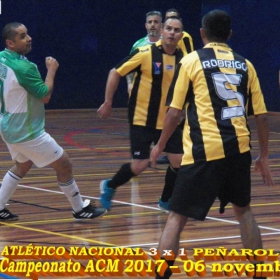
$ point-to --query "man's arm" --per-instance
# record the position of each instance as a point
(52, 66)
(171, 121)
(111, 86)
(261, 163)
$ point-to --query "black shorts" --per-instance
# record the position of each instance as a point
(199, 184)
(142, 137)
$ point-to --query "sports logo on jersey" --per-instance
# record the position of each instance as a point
(169, 67)
(157, 67)
(222, 51)
(145, 50)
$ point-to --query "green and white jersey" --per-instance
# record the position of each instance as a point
(21, 88)
(141, 43)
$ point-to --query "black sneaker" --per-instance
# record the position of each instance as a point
(89, 212)
(6, 215)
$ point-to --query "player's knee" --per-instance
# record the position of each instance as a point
(67, 164)
(241, 211)
(63, 164)
(139, 167)
(20, 169)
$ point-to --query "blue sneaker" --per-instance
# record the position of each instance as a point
(106, 194)
(163, 205)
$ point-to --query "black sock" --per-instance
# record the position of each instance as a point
(170, 178)
(121, 177)
(167, 272)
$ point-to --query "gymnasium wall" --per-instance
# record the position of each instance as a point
(88, 37)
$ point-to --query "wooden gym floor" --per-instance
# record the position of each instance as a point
(97, 149)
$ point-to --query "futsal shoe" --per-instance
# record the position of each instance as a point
(106, 194)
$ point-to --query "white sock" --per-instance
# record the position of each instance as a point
(9, 185)
(72, 192)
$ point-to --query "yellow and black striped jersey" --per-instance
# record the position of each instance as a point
(219, 89)
(154, 70)
(186, 43)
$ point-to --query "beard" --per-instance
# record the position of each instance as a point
(153, 33)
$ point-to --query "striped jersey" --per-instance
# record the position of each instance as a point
(219, 88)
(186, 43)
(21, 88)
(154, 70)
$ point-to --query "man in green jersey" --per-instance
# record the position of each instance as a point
(22, 123)
(153, 25)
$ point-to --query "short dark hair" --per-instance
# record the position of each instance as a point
(172, 10)
(154, 13)
(9, 32)
(217, 25)
(174, 17)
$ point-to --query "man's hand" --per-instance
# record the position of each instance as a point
(262, 166)
(104, 110)
(51, 63)
(156, 151)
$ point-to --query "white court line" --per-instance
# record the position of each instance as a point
(155, 208)
(234, 222)
(199, 240)
(92, 197)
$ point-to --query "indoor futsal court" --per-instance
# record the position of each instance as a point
(97, 149)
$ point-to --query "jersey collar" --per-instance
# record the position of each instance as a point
(148, 40)
(221, 45)
(159, 46)
(14, 54)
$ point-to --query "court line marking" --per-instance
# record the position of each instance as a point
(56, 233)
(125, 246)
(144, 206)
(132, 245)
(203, 239)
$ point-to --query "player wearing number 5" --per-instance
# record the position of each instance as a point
(220, 89)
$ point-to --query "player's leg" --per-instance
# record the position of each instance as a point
(174, 150)
(9, 186)
(169, 183)
(81, 209)
(126, 172)
(170, 239)
(45, 151)
(194, 193)
(238, 192)
(140, 142)
(13, 177)
(66, 182)
(250, 234)
(249, 230)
